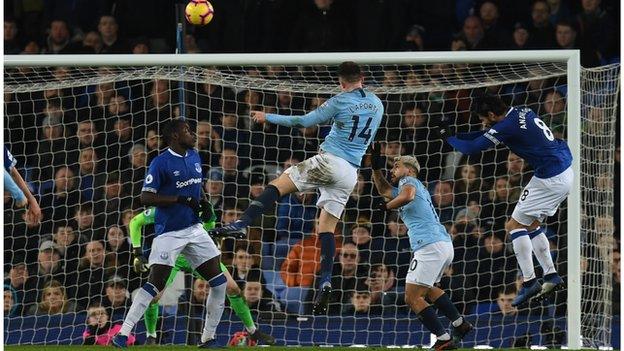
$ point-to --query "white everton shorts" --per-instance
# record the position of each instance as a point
(429, 262)
(333, 176)
(541, 198)
(194, 242)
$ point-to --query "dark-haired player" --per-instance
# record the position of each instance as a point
(356, 114)
(526, 135)
(173, 185)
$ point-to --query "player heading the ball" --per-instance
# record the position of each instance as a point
(430, 243)
(356, 114)
(526, 135)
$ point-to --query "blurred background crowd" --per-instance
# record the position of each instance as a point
(84, 151)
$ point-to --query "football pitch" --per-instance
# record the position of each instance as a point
(177, 348)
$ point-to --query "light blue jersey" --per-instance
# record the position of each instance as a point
(420, 217)
(356, 117)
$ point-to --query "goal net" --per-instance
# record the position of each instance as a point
(83, 137)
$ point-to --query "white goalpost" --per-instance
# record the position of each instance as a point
(434, 83)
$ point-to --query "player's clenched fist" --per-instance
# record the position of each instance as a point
(139, 262)
(258, 116)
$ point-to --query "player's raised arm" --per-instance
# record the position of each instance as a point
(473, 146)
(322, 114)
(33, 214)
(378, 163)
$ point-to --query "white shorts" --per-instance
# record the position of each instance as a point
(333, 176)
(194, 242)
(541, 198)
(429, 262)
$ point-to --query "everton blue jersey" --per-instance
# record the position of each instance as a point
(529, 137)
(356, 117)
(174, 175)
(420, 217)
(9, 160)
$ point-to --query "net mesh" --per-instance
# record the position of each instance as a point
(84, 136)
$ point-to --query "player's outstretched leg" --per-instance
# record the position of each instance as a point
(443, 303)
(415, 298)
(552, 280)
(156, 283)
(523, 250)
(238, 304)
(327, 225)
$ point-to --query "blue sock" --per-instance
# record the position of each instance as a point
(268, 197)
(328, 251)
(445, 305)
(430, 320)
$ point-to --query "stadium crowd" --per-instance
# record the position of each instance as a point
(84, 152)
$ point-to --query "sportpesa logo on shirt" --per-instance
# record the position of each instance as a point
(191, 181)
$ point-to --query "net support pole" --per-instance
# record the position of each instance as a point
(574, 203)
(179, 51)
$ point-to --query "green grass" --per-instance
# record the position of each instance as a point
(176, 348)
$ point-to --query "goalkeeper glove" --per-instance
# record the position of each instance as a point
(444, 127)
(206, 211)
(190, 202)
(377, 161)
(139, 262)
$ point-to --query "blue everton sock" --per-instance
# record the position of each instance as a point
(328, 251)
(257, 207)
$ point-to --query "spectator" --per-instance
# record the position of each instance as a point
(345, 277)
(414, 129)
(141, 47)
(59, 39)
(235, 182)
(397, 249)
(442, 198)
(520, 37)
(135, 174)
(323, 28)
(12, 43)
(86, 224)
(98, 102)
(473, 33)
(53, 300)
(414, 39)
(100, 331)
(515, 170)
(361, 303)
(92, 273)
(50, 151)
(117, 246)
(566, 37)
(468, 185)
(59, 202)
(153, 143)
(498, 207)
(559, 10)
(381, 284)
(158, 107)
(214, 189)
(68, 244)
(22, 286)
(495, 35)
(496, 268)
(390, 150)
(209, 143)
(86, 136)
(93, 41)
(90, 180)
(49, 265)
(361, 199)
(256, 295)
(209, 101)
(303, 262)
(12, 308)
(116, 300)
(109, 30)
(242, 264)
(597, 28)
(541, 32)
(119, 142)
(554, 114)
(115, 198)
(504, 300)
(296, 215)
(195, 309)
(369, 248)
